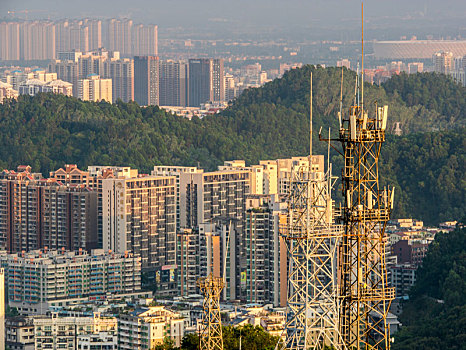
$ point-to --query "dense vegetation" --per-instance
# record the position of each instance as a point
(47, 131)
(435, 315)
(432, 91)
(252, 338)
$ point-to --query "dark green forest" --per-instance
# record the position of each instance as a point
(435, 315)
(426, 164)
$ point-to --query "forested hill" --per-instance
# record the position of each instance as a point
(47, 131)
(435, 315)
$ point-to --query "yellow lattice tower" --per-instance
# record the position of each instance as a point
(364, 292)
(211, 332)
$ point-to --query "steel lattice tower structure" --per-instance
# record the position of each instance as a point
(364, 292)
(211, 333)
(311, 237)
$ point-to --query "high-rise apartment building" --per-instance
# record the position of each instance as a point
(39, 213)
(39, 279)
(146, 80)
(118, 35)
(264, 274)
(443, 62)
(121, 71)
(145, 40)
(67, 71)
(139, 215)
(205, 196)
(44, 40)
(95, 89)
(206, 81)
(37, 40)
(173, 83)
(10, 43)
(2, 308)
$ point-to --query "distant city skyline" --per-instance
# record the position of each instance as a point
(289, 17)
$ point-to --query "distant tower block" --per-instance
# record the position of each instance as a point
(211, 333)
(312, 238)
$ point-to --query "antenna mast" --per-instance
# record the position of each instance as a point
(362, 57)
(310, 125)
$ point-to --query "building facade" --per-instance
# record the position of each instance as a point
(95, 89)
(206, 81)
(147, 328)
(56, 332)
(146, 80)
(39, 279)
(139, 215)
(173, 83)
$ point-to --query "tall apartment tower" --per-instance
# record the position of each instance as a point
(145, 40)
(10, 43)
(67, 70)
(37, 40)
(118, 35)
(443, 62)
(139, 215)
(2, 308)
(121, 71)
(173, 83)
(146, 80)
(206, 81)
(206, 196)
(95, 33)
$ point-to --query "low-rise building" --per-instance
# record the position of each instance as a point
(57, 332)
(402, 277)
(100, 341)
(19, 333)
(146, 328)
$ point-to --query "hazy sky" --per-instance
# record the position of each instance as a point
(298, 13)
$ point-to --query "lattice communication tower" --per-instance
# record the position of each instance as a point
(311, 237)
(364, 292)
(211, 332)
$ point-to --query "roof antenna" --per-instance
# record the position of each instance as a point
(310, 126)
(362, 58)
(341, 97)
(356, 87)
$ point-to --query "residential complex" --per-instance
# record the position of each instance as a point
(38, 279)
(43, 40)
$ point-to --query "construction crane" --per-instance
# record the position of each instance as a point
(26, 12)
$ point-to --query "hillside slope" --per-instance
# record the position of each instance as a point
(47, 131)
(435, 315)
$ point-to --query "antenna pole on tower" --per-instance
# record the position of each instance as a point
(362, 57)
(310, 125)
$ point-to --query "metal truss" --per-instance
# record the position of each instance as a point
(364, 292)
(312, 237)
(211, 332)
